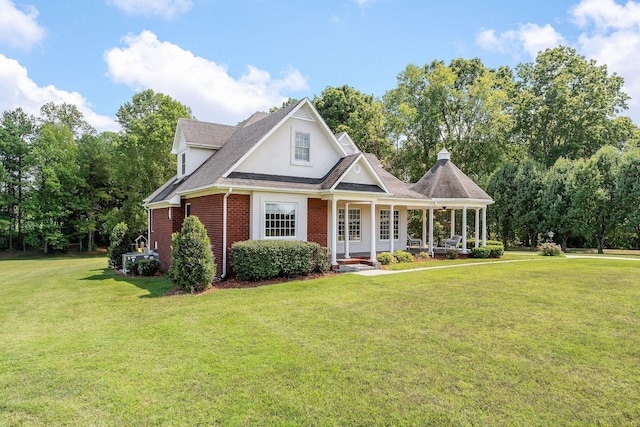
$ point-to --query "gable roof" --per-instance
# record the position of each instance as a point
(445, 181)
(203, 134)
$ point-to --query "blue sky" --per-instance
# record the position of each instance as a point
(229, 58)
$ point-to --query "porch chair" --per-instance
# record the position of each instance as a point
(452, 242)
(413, 242)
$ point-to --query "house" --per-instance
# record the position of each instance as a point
(285, 175)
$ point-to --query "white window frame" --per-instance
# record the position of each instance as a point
(385, 225)
(295, 140)
(280, 228)
(187, 210)
(184, 163)
(355, 224)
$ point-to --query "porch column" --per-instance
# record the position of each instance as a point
(431, 232)
(424, 227)
(477, 231)
(372, 256)
(392, 229)
(453, 222)
(346, 231)
(334, 232)
(484, 226)
(464, 230)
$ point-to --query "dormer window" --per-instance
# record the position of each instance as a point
(184, 163)
(302, 147)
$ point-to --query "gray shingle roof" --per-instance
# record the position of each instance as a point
(396, 187)
(213, 135)
(445, 181)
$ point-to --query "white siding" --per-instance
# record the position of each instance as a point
(275, 155)
(362, 177)
(195, 157)
(258, 201)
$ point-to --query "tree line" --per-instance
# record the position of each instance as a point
(548, 140)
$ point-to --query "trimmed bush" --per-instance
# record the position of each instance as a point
(192, 265)
(385, 258)
(402, 256)
(143, 267)
(265, 259)
(550, 249)
(424, 255)
(493, 251)
(451, 254)
(119, 245)
(480, 252)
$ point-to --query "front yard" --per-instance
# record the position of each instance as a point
(552, 341)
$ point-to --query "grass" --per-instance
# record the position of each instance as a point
(550, 342)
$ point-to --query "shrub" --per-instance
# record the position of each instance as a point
(264, 259)
(424, 255)
(143, 267)
(385, 258)
(550, 249)
(402, 256)
(451, 254)
(119, 245)
(480, 252)
(192, 264)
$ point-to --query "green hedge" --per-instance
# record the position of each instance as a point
(402, 256)
(385, 258)
(265, 259)
(143, 267)
(489, 251)
(472, 242)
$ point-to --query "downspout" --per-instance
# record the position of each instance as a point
(224, 233)
(148, 230)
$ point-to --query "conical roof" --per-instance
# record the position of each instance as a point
(445, 181)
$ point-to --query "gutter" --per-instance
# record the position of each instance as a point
(224, 233)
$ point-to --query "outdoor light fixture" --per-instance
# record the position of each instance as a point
(551, 234)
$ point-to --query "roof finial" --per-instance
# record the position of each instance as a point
(444, 154)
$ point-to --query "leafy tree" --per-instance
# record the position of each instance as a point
(119, 244)
(556, 200)
(17, 130)
(566, 106)
(143, 156)
(57, 196)
(286, 103)
(628, 192)
(345, 109)
(192, 264)
(463, 106)
(502, 188)
(527, 203)
(67, 115)
(593, 192)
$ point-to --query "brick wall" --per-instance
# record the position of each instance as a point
(317, 211)
(163, 227)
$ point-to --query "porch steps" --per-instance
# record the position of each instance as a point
(356, 264)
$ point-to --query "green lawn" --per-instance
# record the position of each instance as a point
(552, 341)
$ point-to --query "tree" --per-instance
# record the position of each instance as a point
(593, 192)
(566, 106)
(119, 244)
(67, 115)
(57, 196)
(556, 200)
(462, 106)
(628, 192)
(527, 203)
(143, 159)
(192, 264)
(17, 130)
(503, 190)
(345, 109)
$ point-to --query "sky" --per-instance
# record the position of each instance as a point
(226, 59)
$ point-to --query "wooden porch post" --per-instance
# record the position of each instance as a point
(424, 227)
(477, 231)
(346, 231)
(484, 226)
(431, 232)
(372, 256)
(464, 230)
(334, 232)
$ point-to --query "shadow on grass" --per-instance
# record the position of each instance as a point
(156, 286)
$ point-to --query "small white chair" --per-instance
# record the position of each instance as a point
(453, 242)
(413, 242)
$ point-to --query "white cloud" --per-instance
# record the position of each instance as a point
(167, 9)
(363, 3)
(611, 35)
(201, 84)
(18, 90)
(17, 28)
(530, 38)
